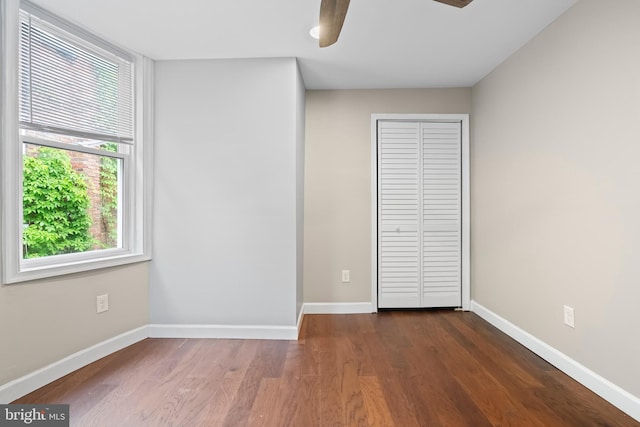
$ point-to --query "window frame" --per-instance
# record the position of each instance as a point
(137, 165)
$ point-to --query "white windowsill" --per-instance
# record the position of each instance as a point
(35, 272)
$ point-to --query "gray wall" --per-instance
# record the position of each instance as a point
(555, 187)
(44, 321)
(225, 244)
(338, 182)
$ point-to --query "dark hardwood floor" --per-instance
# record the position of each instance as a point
(435, 368)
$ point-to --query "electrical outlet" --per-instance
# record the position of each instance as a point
(102, 303)
(346, 276)
(569, 318)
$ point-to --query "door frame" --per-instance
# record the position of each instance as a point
(465, 272)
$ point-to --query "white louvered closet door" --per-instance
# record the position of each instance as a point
(398, 214)
(419, 214)
(441, 214)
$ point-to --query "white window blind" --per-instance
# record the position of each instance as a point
(71, 87)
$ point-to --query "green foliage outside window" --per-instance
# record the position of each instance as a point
(109, 197)
(55, 203)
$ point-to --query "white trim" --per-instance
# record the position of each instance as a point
(300, 318)
(610, 392)
(374, 214)
(145, 97)
(245, 332)
(338, 307)
(32, 140)
(466, 218)
(9, 152)
(33, 381)
(466, 199)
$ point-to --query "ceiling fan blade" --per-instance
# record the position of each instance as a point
(456, 3)
(332, 14)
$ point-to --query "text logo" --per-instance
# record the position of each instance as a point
(34, 415)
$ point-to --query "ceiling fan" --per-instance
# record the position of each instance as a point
(333, 12)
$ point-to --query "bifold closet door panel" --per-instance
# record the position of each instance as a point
(398, 214)
(419, 214)
(441, 214)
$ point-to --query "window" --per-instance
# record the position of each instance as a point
(76, 178)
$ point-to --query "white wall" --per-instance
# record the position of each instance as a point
(555, 187)
(225, 244)
(338, 182)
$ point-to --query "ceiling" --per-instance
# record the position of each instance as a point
(384, 43)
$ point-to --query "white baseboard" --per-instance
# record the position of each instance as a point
(33, 381)
(337, 307)
(300, 317)
(612, 393)
(246, 332)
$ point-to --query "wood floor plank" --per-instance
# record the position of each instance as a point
(378, 414)
(310, 358)
(354, 411)
(495, 401)
(405, 368)
(515, 350)
(560, 392)
(221, 400)
(264, 403)
(488, 352)
(401, 409)
(453, 406)
(308, 411)
(419, 380)
(508, 373)
(331, 409)
(259, 367)
(170, 384)
(285, 403)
